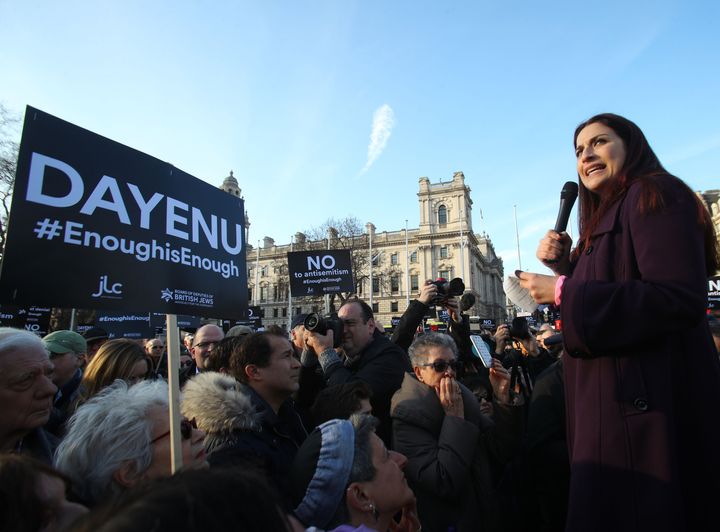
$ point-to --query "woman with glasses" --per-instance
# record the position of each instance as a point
(451, 446)
(120, 438)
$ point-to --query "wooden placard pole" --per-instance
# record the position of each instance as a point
(173, 354)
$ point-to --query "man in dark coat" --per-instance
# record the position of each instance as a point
(366, 356)
(252, 422)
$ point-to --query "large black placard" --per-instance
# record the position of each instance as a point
(315, 273)
(95, 224)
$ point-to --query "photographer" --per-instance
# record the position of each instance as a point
(517, 339)
(411, 319)
(366, 355)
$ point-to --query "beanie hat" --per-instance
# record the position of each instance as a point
(321, 470)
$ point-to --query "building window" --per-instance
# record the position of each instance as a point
(375, 308)
(376, 285)
(275, 313)
(414, 283)
(262, 312)
(444, 274)
(263, 293)
(284, 312)
(298, 310)
(443, 252)
(393, 306)
(263, 271)
(394, 284)
(394, 259)
(442, 215)
(413, 256)
(275, 293)
(250, 294)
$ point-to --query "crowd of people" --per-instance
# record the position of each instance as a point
(607, 425)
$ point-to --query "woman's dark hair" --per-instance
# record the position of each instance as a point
(219, 358)
(339, 401)
(641, 164)
(205, 501)
(20, 506)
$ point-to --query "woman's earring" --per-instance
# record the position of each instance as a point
(375, 512)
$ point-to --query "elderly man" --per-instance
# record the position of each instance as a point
(366, 356)
(26, 394)
(67, 351)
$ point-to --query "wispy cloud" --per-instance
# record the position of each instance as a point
(383, 122)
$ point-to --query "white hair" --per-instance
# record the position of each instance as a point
(17, 339)
(418, 351)
(111, 429)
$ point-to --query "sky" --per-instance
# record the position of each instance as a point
(329, 109)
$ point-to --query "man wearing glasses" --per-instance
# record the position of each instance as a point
(366, 356)
(206, 339)
(451, 446)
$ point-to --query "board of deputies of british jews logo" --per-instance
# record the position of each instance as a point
(108, 289)
(187, 297)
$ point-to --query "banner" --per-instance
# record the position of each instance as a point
(124, 324)
(95, 224)
(33, 319)
(185, 323)
(320, 272)
(714, 292)
(253, 319)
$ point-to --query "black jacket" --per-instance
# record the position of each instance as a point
(242, 429)
(382, 365)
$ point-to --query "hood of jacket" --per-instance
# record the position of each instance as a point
(219, 404)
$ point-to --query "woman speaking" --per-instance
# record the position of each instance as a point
(642, 379)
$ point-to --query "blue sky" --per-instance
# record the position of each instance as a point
(285, 95)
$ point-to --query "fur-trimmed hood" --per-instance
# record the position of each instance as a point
(219, 404)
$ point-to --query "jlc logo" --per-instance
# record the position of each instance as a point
(105, 290)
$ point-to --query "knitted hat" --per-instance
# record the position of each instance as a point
(321, 470)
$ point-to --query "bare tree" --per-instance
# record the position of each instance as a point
(349, 233)
(8, 162)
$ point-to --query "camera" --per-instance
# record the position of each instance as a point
(447, 289)
(519, 329)
(322, 324)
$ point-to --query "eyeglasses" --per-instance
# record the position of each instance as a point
(203, 345)
(441, 366)
(186, 428)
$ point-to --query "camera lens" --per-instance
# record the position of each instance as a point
(311, 322)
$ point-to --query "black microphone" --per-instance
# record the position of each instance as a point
(568, 195)
(467, 301)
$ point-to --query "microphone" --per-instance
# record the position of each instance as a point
(467, 301)
(568, 195)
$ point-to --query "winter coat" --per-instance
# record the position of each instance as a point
(242, 429)
(450, 460)
(642, 379)
(382, 365)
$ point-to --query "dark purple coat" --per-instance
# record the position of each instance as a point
(642, 378)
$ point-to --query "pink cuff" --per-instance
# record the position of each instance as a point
(558, 289)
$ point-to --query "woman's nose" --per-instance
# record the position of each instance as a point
(399, 458)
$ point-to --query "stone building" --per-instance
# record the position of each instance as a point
(444, 245)
(711, 199)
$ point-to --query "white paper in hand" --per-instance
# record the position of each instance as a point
(519, 295)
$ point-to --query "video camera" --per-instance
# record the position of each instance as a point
(519, 329)
(322, 324)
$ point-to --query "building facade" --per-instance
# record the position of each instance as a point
(711, 199)
(444, 245)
